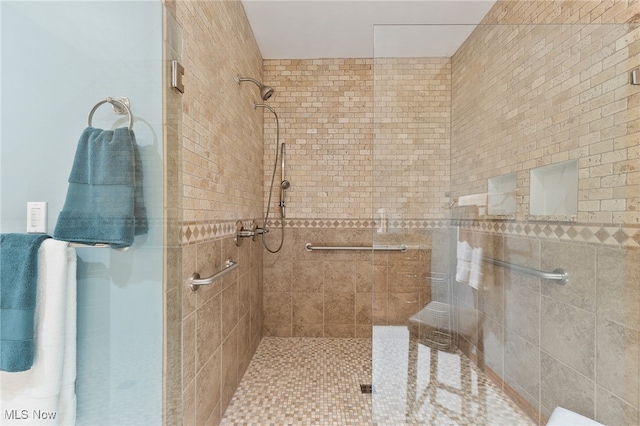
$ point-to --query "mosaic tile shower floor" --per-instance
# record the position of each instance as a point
(316, 381)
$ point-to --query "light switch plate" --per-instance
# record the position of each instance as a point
(37, 217)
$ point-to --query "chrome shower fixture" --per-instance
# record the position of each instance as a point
(273, 176)
(265, 91)
(285, 184)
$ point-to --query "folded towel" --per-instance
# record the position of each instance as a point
(104, 202)
(563, 417)
(475, 275)
(18, 285)
(49, 386)
(463, 265)
(473, 200)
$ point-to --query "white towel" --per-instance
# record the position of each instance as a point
(463, 266)
(475, 274)
(563, 417)
(473, 200)
(45, 394)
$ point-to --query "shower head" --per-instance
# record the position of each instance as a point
(285, 184)
(265, 91)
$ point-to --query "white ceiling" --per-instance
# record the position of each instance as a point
(309, 29)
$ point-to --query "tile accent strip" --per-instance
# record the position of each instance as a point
(203, 231)
(617, 235)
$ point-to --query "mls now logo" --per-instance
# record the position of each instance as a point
(26, 415)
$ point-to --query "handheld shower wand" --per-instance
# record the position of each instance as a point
(273, 176)
(285, 184)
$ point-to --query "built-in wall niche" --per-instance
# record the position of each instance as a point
(554, 190)
(501, 192)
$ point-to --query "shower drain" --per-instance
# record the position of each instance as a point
(366, 388)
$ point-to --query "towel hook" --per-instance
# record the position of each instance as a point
(119, 106)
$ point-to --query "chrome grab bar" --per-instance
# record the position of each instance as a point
(311, 247)
(195, 281)
(558, 274)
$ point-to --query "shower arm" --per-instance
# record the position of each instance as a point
(253, 80)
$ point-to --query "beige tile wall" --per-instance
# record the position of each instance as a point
(219, 167)
(526, 96)
(563, 11)
(325, 108)
(325, 112)
(332, 293)
(222, 326)
(222, 133)
(574, 345)
(411, 157)
(547, 94)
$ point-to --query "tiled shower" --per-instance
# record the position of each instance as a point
(384, 151)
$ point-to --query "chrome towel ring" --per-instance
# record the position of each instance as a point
(119, 107)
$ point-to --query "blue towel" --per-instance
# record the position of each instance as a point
(104, 202)
(18, 286)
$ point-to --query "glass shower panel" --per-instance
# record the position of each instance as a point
(507, 100)
(59, 59)
(412, 301)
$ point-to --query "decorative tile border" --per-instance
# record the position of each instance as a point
(325, 223)
(620, 235)
(202, 231)
(363, 223)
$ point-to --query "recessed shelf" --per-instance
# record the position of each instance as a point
(554, 190)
